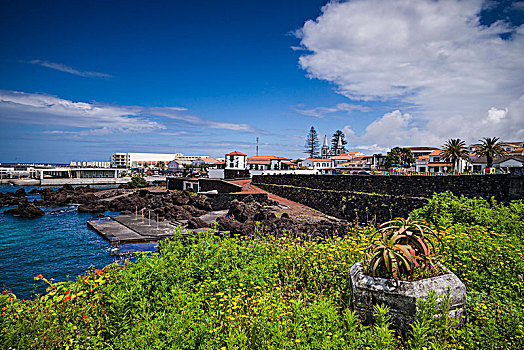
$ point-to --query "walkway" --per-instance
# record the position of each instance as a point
(293, 209)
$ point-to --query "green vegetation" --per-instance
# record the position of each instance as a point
(312, 143)
(399, 157)
(211, 291)
(137, 181)
(454, 150)
(490, 147)
(399, 247)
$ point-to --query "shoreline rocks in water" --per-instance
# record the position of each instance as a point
(9, 199)
(26, 210)
(245, 217)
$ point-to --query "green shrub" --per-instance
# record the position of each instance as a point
(212, 291)
(137, 181)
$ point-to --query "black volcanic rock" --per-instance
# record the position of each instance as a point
(8, 199)
(20, 192)
(195, 223)
(91, 208)
(26, 210)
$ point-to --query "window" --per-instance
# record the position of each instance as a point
(436, 159)
(422, 169)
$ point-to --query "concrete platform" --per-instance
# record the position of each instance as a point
(125, 229)
(130, 234)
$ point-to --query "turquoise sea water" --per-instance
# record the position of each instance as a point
(57, 245)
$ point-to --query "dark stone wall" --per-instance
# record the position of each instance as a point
(219, 185)
(352, 206)
(517, 171)
(380, 198)
(177, 183)
(174, 183)
(502, 187)
(222, 201)
(236, 174)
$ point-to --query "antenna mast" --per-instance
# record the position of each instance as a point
(257, 146)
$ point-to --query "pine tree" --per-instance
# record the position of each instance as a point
(312, 143)
(334, 140)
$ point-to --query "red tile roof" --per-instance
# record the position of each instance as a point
(267, 157)
(236, 153)
(350, 153)
(435, 152)
(347, 157)
(260, 162)
(319, 160)
(421, 148)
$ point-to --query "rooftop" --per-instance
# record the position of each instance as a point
(236, 153)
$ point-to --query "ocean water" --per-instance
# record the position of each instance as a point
(58, 245)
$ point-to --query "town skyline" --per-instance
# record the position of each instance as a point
(82, 81)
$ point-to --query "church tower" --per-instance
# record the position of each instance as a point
(340, 147)
(325, 148)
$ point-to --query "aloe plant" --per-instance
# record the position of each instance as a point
(391, 255)
(400, 245)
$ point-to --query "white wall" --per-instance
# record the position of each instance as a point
(215, 173)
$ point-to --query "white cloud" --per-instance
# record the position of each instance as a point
(205, 123)
(100, 119)
(94, 119)
(461, 76)
(63, 68)
(392, 129)
(323, 112)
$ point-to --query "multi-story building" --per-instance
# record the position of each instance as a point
(189, 157)
(137, 160)
(236, 160)
(268, 163)
(420, 151)
(89, 164)
(323, 166)
(435, 163)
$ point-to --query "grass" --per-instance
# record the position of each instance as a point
(213, 291)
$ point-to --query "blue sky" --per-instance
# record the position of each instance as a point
(82, 80)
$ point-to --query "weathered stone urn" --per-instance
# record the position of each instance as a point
(401, 296)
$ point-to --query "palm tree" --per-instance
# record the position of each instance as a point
(454, 150)
(490, 148)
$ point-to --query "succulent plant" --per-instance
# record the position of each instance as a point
(400, 245)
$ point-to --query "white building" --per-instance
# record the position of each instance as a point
(236, 160)
(90, 164)
(268, 163)
(434, 163)
(189, 157)
(502, 163)
(325, 152)
(324, 166)
(137, 160)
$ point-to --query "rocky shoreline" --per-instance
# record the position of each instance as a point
(244, 217)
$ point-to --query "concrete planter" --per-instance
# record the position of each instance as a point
(401, 297)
